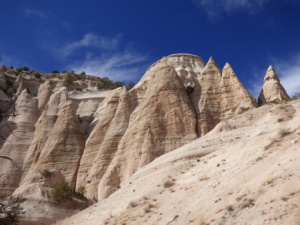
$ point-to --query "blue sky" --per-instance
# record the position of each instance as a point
(121, 39)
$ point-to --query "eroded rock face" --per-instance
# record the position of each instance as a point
(104, 116)
(3, 83)
(272, 90)
(62, 150)
(162, 122)
(108, 147)
(43, 128)
(44, 94)
(20, 130)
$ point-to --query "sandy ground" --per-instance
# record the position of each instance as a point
(245, 171)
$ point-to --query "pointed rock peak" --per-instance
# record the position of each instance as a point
(271, 68)
(124, 90)
(228, 71)
(19, 78)
(211, 61)
(271, 74)
(211, 68)
(24, 92)
(227, 66)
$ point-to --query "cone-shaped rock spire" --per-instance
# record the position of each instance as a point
(272, 90)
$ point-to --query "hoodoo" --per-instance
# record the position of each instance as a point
(272, 90)
(97, 140)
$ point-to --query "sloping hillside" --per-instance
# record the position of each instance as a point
(245, 171)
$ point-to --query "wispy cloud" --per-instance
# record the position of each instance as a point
(288, 72)
(123, 66)
(216, 8)
(103, 56)
(5, 60)
(90, 40)
(35, 14)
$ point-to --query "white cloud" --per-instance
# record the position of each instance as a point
(90, 40)
(102, 56)
(120, 66)
(5, 60)
(215, 8)
(35, 14)
(289, 74)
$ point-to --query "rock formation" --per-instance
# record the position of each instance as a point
(97, 140)
(20, 131)
(109, 136)
(272, 90)
(63, 149)
(2, 79)
(162, 122)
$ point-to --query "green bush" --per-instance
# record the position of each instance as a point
(10, 210)
(81, 191)
(62, 192)
(37, 75)
(55, 71)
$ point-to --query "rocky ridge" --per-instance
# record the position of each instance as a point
(99, 139)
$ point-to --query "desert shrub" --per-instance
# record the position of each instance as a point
(296, 96)
(243, 109)
(78, 89)
(37, 75)
(62, 192)
(46, 174)
(82, 73)
(133, 204)
(10, 210)
(81, 191)
(130, 85)
(283, 132)
(9, 83)
(168, 183)
(55, 71)
(24, 68)
(189, 90)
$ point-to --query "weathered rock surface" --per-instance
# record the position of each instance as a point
(62, 150)
(272, 90)
(244, 174)
(43, 128)
(44, 94)
(19, 131)
(162, 122)
(3, 83)
(100, 139)
(107, 149)
(105, 115)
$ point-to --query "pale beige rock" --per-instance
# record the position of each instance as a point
(104, 115)
(272, 90)
(162, 122)
(44, 94)
(243, 175)
(218, 96)
(62, 150)
(3, 83)
(109, 145)
(20, 129)
(235, 97)
(43, 128)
